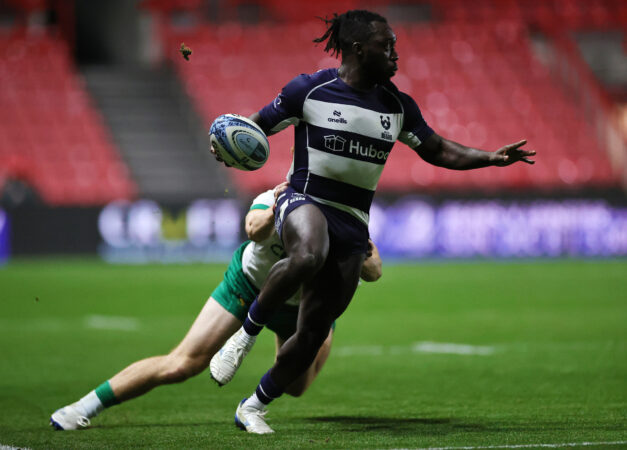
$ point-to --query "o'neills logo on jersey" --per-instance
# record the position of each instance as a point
(356, 148)
(338, 118)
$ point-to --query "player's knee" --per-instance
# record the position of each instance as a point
(307, 262)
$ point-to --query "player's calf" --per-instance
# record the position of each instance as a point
(179, 368)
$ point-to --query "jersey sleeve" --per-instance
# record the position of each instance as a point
(415, 130)
(287, 108)
(263, 201)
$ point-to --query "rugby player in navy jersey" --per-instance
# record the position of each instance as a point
(346, 121)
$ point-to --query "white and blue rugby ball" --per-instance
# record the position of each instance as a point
(239, 142)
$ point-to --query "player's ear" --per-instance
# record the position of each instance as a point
(357, 48)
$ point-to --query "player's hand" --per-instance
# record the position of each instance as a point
(512, 153)
(370, 248)
(215, 154)
(278, 190)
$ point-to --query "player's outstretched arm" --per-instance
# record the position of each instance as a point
(372, 268)
(452, 155)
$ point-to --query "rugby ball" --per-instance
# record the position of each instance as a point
(239, 142)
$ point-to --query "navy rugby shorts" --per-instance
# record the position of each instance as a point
(347, 234)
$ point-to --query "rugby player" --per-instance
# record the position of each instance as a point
(221, 316)
(346, 121)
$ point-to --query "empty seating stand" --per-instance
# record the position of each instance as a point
(51, 137)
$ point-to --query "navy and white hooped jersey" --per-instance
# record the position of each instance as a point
(342, 136)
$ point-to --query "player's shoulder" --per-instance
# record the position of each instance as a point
(392, 89)
(403, 98)
(308, 81)
(324, 75)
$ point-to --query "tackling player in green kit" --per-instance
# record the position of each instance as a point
(221, 316)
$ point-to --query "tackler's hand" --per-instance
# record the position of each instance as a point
(370, 248)
(278, 190)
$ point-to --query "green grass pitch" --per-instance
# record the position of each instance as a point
(546, 362)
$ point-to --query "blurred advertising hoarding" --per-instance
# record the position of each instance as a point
(4, 237)
(144, 231)
(414, 228)
(407, 228)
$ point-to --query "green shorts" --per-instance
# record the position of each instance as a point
(235, 293)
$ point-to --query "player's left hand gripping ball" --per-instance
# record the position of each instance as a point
(185, 51)
(239, 142)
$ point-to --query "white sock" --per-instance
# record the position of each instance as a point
(245, 338)
(254, 402)
(90, 405)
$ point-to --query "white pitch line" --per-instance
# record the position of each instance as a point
(111, 323)
(454, 349)
(560, 445)
(417, 347)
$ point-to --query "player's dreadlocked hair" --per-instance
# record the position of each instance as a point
(343, 30)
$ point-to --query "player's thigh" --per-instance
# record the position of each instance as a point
(329, 293)
(213, 326)
(305, 231)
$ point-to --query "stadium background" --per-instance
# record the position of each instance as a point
(103, 127)
(103, 159)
